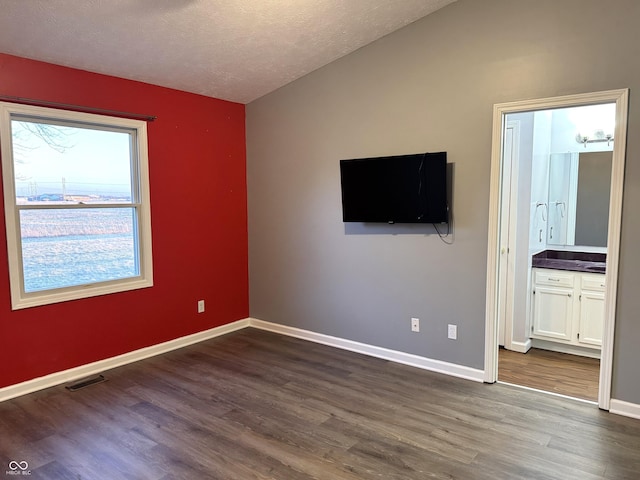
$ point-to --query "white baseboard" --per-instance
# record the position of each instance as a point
(564, 348)
(378, 352)
(618, 407)
(627, 409)
(520, 347)
(94, 368)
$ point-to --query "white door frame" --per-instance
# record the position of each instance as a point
(507, 239)
(621, 99)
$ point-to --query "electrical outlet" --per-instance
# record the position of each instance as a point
(452, 332)
(415, 324)
(200, 306)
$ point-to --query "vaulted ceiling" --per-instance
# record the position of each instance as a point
(237, 50)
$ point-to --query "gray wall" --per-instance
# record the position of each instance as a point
(428, 87)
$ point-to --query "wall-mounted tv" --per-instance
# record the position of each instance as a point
(396, 189)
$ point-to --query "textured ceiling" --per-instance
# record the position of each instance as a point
(236, 50)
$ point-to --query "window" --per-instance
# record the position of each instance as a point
(76, 198)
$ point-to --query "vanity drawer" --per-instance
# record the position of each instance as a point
(593, 282)
(555, 278)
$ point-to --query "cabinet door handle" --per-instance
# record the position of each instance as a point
(554, 279)
(568, 294)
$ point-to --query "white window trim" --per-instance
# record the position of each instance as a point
(20, 299)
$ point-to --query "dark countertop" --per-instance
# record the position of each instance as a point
(574, 261)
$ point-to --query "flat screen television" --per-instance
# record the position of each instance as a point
(396, 189)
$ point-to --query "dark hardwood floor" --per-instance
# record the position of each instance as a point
(256, 405)
(554, 372)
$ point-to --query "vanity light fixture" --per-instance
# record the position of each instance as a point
(598, 136)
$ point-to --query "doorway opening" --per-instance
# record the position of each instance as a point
(554, 234)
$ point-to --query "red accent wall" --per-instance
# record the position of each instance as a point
(197, 169)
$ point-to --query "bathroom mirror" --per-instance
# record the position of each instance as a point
(579, 191)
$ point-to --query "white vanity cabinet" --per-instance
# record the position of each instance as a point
(591, 319)
(553, 304)
(568, 307)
